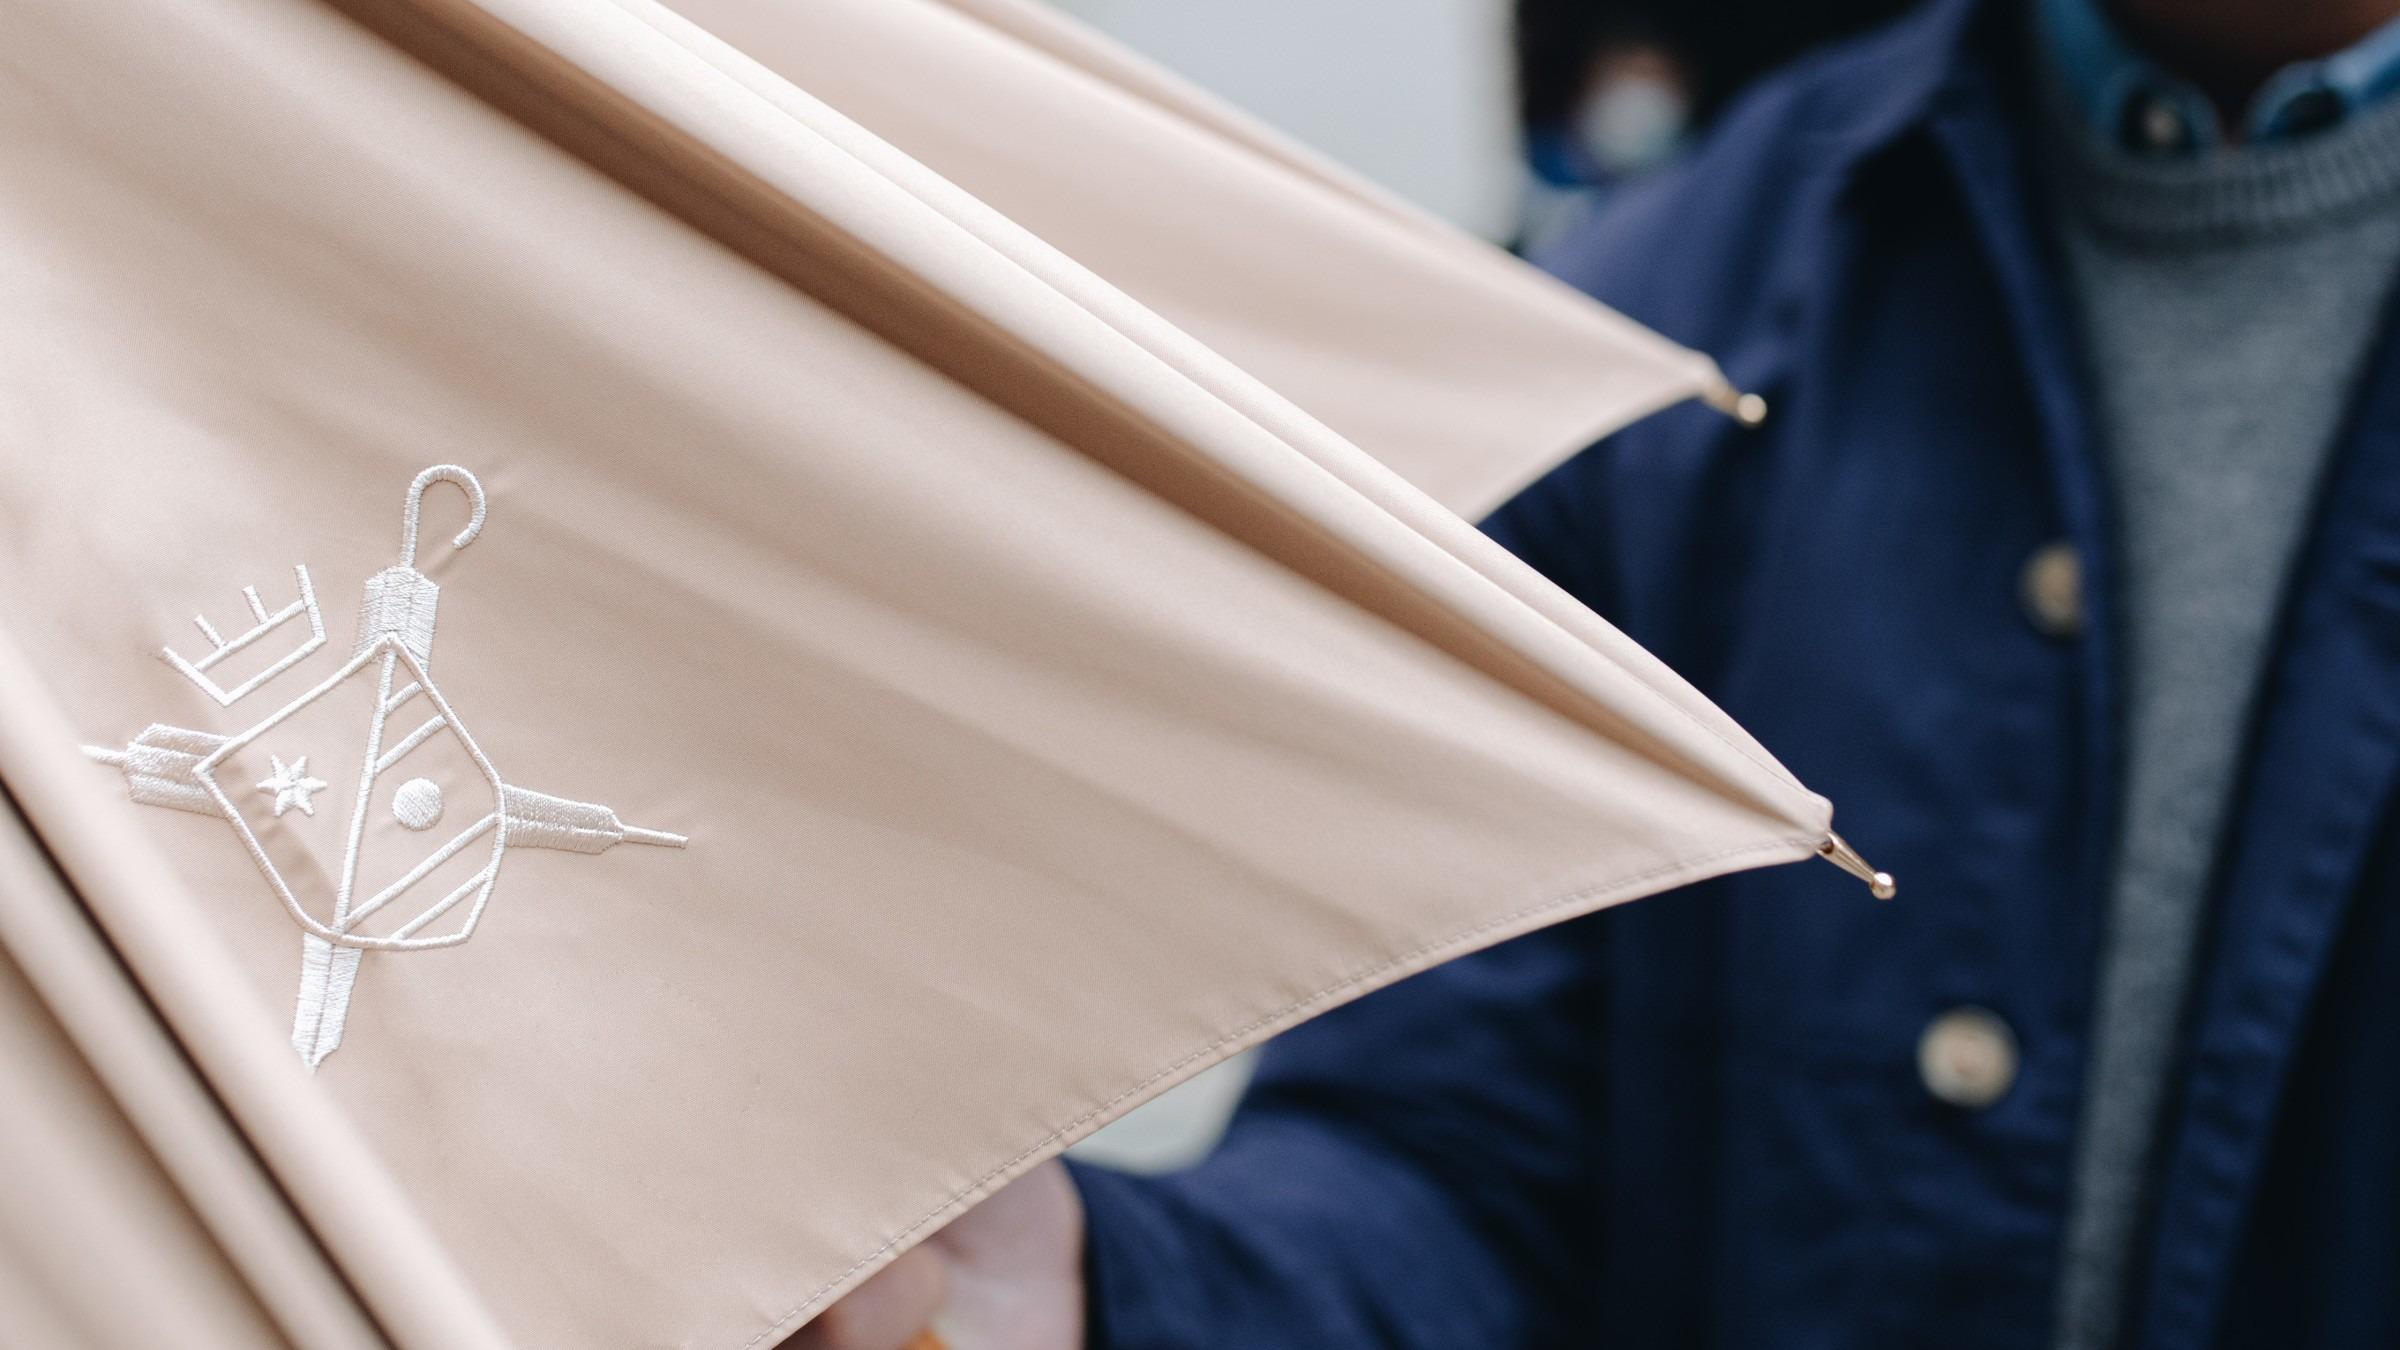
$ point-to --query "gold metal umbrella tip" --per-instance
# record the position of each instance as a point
(1837, 850)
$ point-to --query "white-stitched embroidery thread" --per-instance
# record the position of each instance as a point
(418, 804)
(292, 786)
(158, 767)
(177, 768)
(197, 671)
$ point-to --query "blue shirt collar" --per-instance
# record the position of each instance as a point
(2129, 99)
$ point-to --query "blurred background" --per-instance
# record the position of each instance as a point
(1510, 118)
(1501, 116)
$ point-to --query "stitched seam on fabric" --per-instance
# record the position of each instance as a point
(1346, 983)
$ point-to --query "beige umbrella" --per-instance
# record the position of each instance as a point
(729, 698)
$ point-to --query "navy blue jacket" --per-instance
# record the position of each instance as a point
(1698, 1120)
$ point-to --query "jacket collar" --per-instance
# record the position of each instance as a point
(1909, 71)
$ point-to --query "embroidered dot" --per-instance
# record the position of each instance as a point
(418, 803)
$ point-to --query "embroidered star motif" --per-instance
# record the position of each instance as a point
(292, 786)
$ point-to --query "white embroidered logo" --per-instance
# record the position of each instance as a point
(321, 879)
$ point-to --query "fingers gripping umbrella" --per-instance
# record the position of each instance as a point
(1023, 704)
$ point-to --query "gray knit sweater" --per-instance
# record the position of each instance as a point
(2227, 304)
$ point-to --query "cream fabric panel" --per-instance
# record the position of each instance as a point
(1464, 369)
(131, 1208)
(97, 1248)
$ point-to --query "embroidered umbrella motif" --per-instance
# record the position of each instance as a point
(392, 880)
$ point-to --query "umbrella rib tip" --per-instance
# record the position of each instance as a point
(1749, 410)
(1837, 850)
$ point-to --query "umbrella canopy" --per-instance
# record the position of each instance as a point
(1462, 369)
(721, 695)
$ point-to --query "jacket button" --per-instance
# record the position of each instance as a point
(2052, 589)
(1968, 1058)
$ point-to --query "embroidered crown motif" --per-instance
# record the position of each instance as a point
(378, 886)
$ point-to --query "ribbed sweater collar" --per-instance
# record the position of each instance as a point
(2229, 194)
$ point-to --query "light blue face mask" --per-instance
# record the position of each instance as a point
(1632, 122)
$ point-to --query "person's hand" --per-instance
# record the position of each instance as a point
(1006, 1275)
